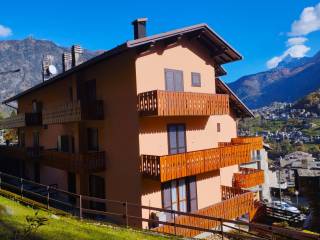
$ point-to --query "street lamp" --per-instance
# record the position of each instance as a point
(297, 199)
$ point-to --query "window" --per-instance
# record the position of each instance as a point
(176, 138)
(22, 139)
(93, 141)
(36, 139)
(258, 155)
(218, 127)
(36, 106)
(173, 80)
(97, 189)
(195, 79)
(180, 195)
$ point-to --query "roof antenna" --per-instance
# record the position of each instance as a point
(48, 69)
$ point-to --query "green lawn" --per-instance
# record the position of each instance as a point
(13, 219)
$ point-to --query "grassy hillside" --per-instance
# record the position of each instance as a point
(13, 222)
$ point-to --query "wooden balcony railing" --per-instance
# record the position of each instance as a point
(237, 204)
(181, 165)
(248, 177)
(74, 162)
(167, 103)
(19, 153)
(74, 112)
(21, 120)
(256, 143)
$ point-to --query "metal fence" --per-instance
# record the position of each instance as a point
(137, 216)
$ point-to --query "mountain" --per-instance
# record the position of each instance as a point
(27, 55)
(289, 81)
(311, 102)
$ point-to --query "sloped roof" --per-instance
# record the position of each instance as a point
(219, 50)
(236, 104)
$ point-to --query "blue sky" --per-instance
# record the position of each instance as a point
(259, 30)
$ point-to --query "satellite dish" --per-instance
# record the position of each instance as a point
(52, 70)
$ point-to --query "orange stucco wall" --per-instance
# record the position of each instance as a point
(201, 132)
(186, 57)
(116, 86)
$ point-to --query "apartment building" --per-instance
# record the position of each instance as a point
(148, 122)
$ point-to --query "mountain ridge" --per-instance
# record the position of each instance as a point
(286, 83)
(27, 55)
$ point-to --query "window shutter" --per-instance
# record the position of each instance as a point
(181, 139)
(172, 134)
(193, 199)
(169, 77)
(178, 81)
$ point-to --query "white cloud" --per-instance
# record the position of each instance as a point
(308, 22)
(5, 31)
(296, 51)
(274, 62)
(296, 41)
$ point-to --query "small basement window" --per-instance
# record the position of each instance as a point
(195, 79)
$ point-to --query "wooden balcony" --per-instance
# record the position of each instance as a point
(234, 204)
(74, 162)
(248, 177)
(256, 143)
(21, 120)
(166, 168)
(74, 112)
(13, 152)
(166, 103)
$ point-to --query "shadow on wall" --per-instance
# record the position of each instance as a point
(159, 124)
(150, 186)
(191, 44)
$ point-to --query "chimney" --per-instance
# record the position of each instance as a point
(76, 51)
(139, 28)
(66, 61)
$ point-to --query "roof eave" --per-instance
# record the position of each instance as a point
(249, 112)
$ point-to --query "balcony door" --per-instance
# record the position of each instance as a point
(177, 138)
(180, 195)
(66, 144)
(174, 80)
(97, 189)
(93, 139)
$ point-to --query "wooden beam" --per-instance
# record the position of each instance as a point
(145, 47)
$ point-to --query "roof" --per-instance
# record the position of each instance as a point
(241, 109)
(219, 50)
(308, 173)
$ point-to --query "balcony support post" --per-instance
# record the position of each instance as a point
(48, 197)
(221, 227)
(80, 206)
